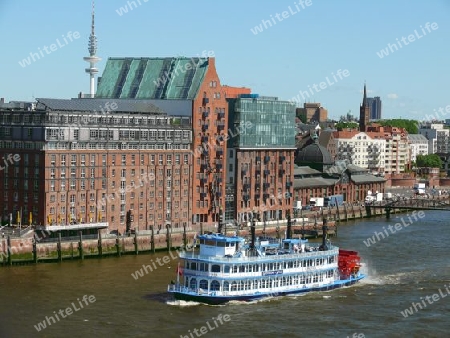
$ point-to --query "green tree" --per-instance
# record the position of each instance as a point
(431, 161)
(346, 125)
(411, 126)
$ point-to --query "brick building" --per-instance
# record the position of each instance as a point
(81, 165)
(260, 158)
(192, 85)
(312, 112)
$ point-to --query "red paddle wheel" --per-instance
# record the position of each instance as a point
(348, 263)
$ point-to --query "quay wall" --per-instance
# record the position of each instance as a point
(25, 249)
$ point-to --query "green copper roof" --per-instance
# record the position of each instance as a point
(152, 78)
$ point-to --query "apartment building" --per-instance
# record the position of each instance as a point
(90, 161)
(190, 85)
(437, 136)
(260, 161)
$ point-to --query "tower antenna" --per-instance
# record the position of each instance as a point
(92, 58)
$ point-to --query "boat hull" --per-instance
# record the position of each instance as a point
(218, 300)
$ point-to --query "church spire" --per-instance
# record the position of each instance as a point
(364, 103)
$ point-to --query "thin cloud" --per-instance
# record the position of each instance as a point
(392, 96)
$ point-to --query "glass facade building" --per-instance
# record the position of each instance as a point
(261, 122)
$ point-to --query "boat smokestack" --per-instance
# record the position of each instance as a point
(253, 232)
(289, 226)
(324, 246)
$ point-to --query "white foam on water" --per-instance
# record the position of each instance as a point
(182, 303)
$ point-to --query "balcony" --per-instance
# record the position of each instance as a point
(288, 184)
(266, 172)
(203, 166)
(203, 180)
(258, 159)
(266, 159)
(219, 166)
(205, 114)
(204, 139)
(205, 101)
(265, 196)
(221, 115)
(219, 151)
(203, 195)
(246, 197)
(281, 172)
(219, 179)
(205, 127)
(246, 186)
(258, 171)
(266, 185)
(282, 158)
(218, 193)
(221, 125)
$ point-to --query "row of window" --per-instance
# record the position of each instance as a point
(240, 268)
(124, 159)
(264, 283)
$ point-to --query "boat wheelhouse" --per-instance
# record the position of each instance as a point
(230, 268)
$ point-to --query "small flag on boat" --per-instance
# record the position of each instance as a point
(31, 218)
(179, 270)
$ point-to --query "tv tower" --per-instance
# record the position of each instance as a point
(92, 58)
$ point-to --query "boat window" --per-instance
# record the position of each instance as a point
(203, 284)
(226, 269)
(255, 268)
(230, 244)
(286, 246)
(242, 268)
(202, 241)
(221, 244)
(215, 268)
(303, 263)
(186, 282)
(270, 266)
(215, 285)
(234, 286)
(210, 242)
(290, 265)
(193, 266)
(193, 283)
(316, 278)
(226, 286)
(235, 268)
(203, 267)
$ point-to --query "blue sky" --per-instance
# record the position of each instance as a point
(301, 49)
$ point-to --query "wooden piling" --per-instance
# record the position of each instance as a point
(59, 247)
(136, 246)
(80, 246)
(100, 244)
(152, 243)
(35, 257)
(118, 246)
(9, 249)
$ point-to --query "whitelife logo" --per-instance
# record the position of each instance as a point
(69, 37)
(411, 38)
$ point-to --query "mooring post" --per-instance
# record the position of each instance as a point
(118, 246)
(136, 247)
(9, 250)
(59, 247)
(185, 235)
(80, 245)
(152, 244)
(100, 244)
(388, 212)
(168, 237)
(35, 258)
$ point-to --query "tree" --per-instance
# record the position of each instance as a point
(346, 125)
(430, 161)
(411, 126)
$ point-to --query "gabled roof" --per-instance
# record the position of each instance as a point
(152, 78)
(305, 170)
(366, 178)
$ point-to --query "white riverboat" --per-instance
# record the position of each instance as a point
(231, 268)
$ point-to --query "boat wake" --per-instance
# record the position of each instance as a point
(183, 303)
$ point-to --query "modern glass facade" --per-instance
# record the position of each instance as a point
(261, 122)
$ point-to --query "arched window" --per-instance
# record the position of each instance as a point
(226, 269)
(226, 286)
(215, 285)
(193, 283)
(203, 284)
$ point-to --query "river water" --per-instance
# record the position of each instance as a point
(403, 267)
